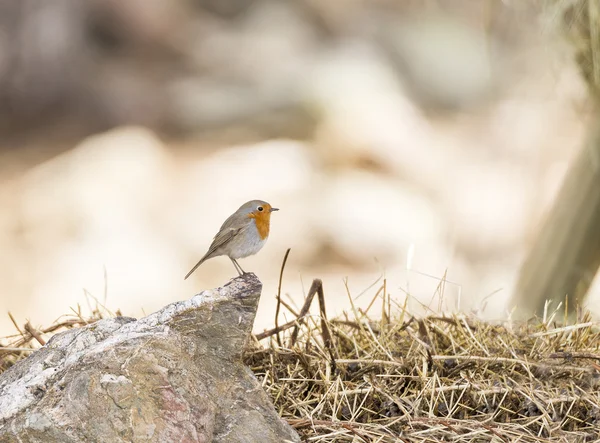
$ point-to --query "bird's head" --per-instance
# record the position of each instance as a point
(260, 211)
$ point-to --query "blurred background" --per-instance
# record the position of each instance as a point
(419, 140)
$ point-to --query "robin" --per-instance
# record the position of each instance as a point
(243, 234)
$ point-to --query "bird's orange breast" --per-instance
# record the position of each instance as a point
(262, 220)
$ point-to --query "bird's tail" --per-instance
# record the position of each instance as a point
(195, 267)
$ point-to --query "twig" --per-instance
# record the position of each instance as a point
(523, 363)
(14, 322)
(34, 333)
(7, 349)
(563, 329)
(285, 257)
(324, 326)
(309, 298)
(371, 362)
(304, 422)
(572, 355)
(289, 307)
(66, 324)
(274, 331)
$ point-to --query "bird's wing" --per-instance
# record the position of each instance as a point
(233, 221)
(221, 239)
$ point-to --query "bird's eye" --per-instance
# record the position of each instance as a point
(260, 209)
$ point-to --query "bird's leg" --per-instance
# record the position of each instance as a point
(238, 268)
(238, 265)
(235, 266)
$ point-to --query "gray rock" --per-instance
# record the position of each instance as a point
(173, 376)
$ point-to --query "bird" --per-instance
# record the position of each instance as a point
(244, 233)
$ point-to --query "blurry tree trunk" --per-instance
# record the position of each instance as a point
(566, 255)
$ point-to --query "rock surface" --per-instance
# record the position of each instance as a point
(175, 375)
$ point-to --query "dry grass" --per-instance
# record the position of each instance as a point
(28, 338)
(401, 378)
(438, 378)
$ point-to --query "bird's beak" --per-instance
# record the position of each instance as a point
(274, 209)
